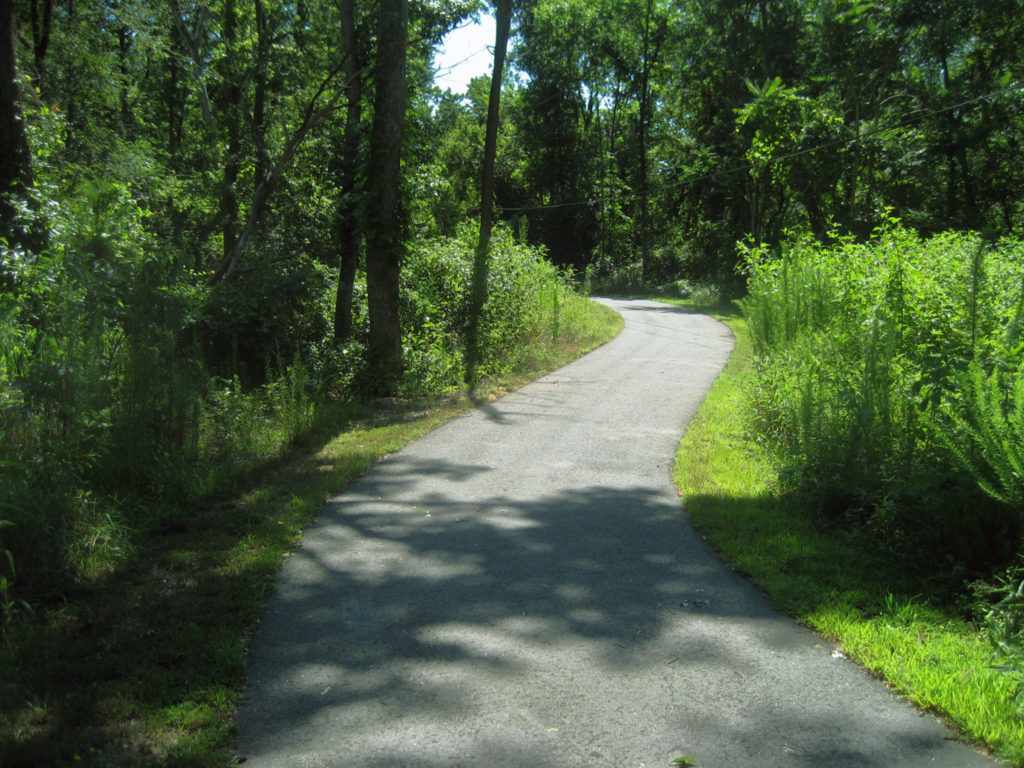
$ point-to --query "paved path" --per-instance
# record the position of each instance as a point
(520, 588)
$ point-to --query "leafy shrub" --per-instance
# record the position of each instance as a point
(129, 391)
(606, 277)
(529, 302)
(266, 317)
(985, 432)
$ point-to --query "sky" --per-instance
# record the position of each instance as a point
(466, 52)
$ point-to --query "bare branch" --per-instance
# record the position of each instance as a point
(311, 116)
(192, 41)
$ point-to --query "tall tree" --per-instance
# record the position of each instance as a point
(15, 158)
(555, 51)
(385, 231)
(652, 36)
(503, 10)
(42, 20)
(229, 108)
(347, 231)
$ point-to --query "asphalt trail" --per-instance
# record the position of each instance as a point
(521, 588)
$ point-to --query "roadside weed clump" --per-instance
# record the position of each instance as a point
(887, 376)
(986, 434)
(1001, 605)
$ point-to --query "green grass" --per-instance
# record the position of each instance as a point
(143, 661)
(833, 581)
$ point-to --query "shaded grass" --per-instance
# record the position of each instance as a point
(828, 578)
(143, 662)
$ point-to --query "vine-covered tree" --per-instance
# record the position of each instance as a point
(15, 158)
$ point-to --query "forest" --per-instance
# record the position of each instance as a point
(222, 219)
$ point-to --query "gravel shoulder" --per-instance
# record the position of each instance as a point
(521, 588)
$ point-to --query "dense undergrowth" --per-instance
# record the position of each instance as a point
(126, 391)
(833, 579)
(890, 382)
(147, 502)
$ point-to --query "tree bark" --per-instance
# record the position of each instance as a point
(124, 47)
(231, 109)
(259, 98)
(384, 237)
(644, 122)
(191, 39)
(41, 24)
(503, 10)
(15, 157)
(346, 227)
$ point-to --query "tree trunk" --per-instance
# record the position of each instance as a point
(384, 237)
(644, 119)
(124, 47)
(259, 98)
(15, 158)
(231, 109)
(346, 226)
(503, 9)
(41, 24)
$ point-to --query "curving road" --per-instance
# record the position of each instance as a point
(520, 588)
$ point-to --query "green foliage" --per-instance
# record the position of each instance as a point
(271, 314)
(604, 277)
(105, 398)
(887, 384)
(530, 304)
(9, 604)
(784, 130)
(846, 587)
(1002, 613)
(984, 430)
(129, 385)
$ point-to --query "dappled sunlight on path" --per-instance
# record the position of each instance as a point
(521, 588)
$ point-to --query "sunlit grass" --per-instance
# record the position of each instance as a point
(832, 581)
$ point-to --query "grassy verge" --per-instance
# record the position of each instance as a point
(840, 587)
(142, 664)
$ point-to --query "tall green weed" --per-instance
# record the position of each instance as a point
(984, 431)
(888, 379)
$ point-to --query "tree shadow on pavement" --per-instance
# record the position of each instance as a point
(400, 622)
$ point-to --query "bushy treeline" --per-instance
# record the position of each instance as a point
(191, 236)
(650, 135)
(126, 388)
(890, 379)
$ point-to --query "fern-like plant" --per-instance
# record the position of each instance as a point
(987, 436)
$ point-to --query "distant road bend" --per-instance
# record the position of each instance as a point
(520, 588)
